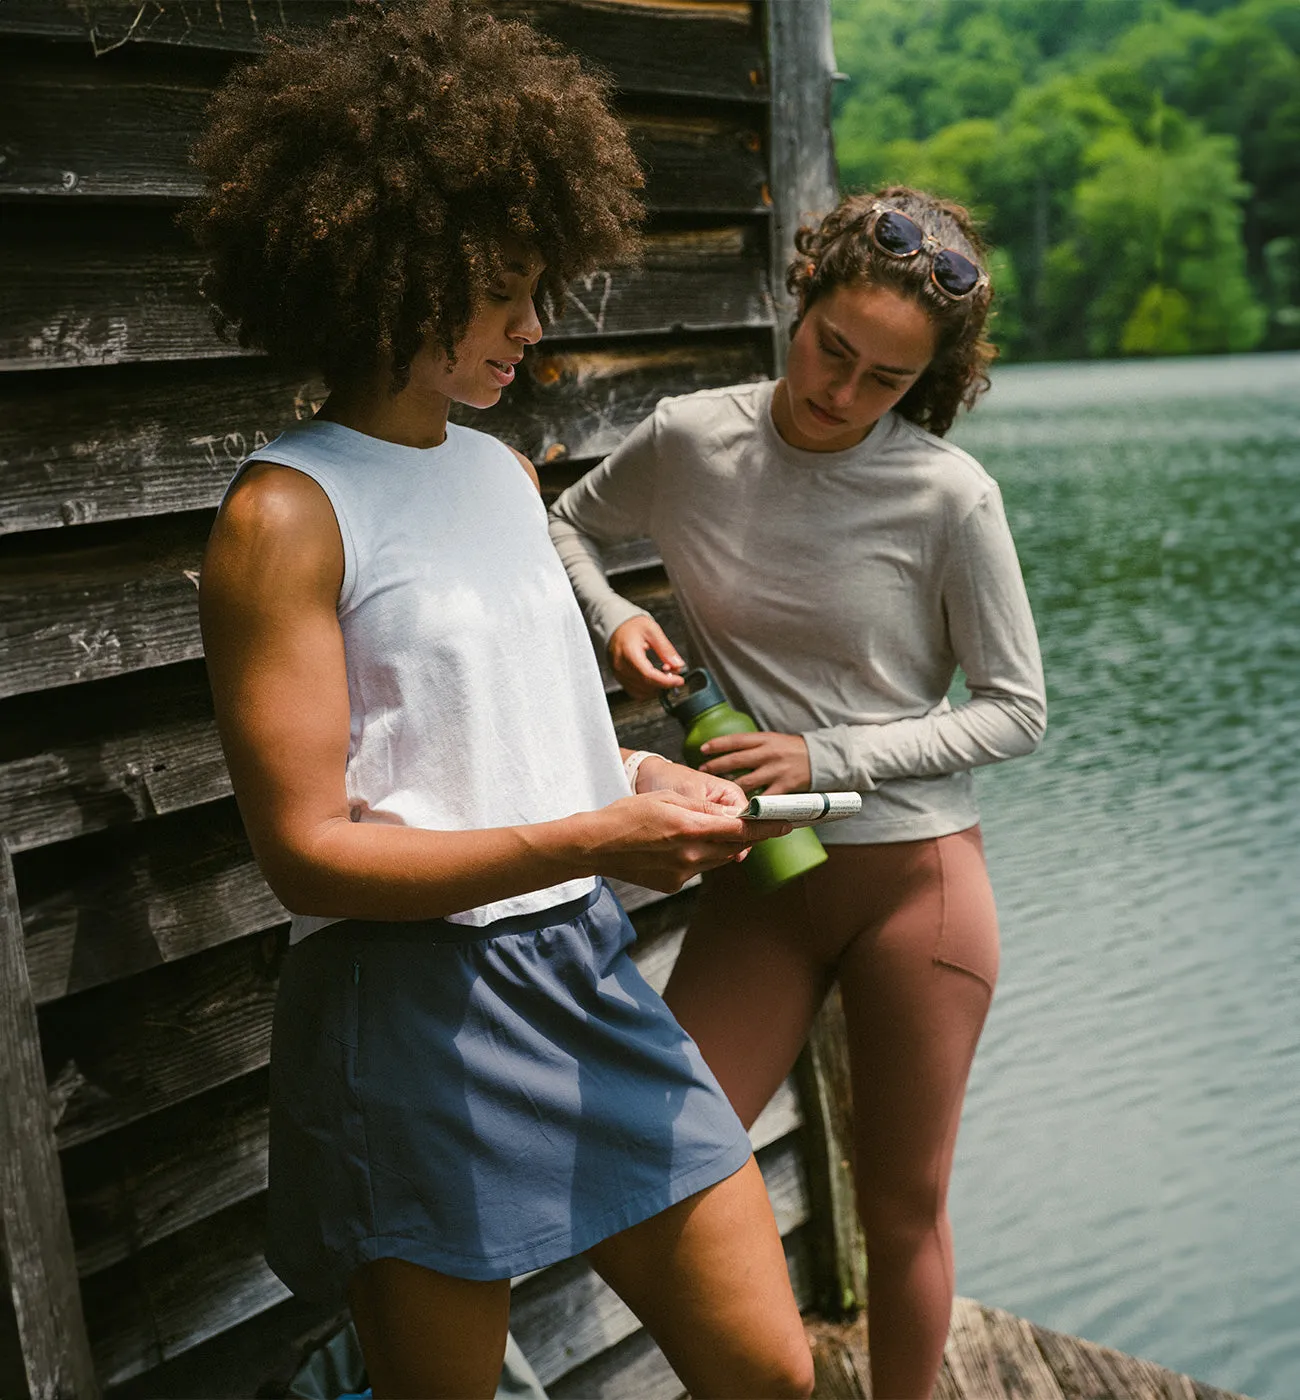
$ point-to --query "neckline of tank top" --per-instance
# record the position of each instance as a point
(856, 455)
(328, 427)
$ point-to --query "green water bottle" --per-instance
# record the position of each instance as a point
(702, 710)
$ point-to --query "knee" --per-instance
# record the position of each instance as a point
(791, 1373)
(901, 1217)
(779, 1368)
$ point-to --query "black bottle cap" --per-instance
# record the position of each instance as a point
(701, 692)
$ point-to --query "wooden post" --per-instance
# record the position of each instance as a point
(804, 182)
(34, 1225)
(804, 186)
(825, 1096)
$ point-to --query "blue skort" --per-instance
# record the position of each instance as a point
(480, 1101)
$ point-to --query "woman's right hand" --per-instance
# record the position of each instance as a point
(661, 839)
(643, 659)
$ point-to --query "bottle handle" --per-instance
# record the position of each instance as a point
(694, 679)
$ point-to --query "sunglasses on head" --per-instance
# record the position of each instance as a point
(900, 236)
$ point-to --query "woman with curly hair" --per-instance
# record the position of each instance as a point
(836, 560)
(469, 1078)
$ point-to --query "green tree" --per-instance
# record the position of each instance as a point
(1154, 260)
(1104, 145)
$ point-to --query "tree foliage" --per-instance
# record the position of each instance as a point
(1137, 164)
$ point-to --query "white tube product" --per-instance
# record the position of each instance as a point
(804, 808)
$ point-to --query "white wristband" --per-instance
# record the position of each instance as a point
(632, 764)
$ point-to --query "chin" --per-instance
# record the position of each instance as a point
(484, 398)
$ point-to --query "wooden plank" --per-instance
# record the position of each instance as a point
(133, 440)
(1085, 1371)
(259, 1356)
(633, 1366)
(167, 1172)
(118, 1053)
(34, 1229)
(706, 50)
(841, 1358)
(106, 25)
(114, 752)
(1024, 1374)
(582, 403)
(804, 179)
(126, 600)
(127, 291)
(13, 1374)
(180, 1292)
(113, 905)
(970, 1353)
(114, 444)
(77, 129)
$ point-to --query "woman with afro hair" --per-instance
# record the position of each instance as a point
(469, 1078)
(836, 560)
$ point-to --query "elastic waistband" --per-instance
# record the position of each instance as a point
(444, 931)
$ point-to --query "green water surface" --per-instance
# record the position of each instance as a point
(1129, 1166)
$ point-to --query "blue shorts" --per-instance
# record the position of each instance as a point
(480, 1101)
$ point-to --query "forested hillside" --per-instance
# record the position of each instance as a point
(1136, 162)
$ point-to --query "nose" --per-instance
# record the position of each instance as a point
(529, 327)
(842, 391)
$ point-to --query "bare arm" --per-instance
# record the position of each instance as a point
(268, 597)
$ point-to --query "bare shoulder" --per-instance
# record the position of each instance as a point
(272, 497)
(276, 529)
(527, 466)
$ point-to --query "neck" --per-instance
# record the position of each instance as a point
(409, 418)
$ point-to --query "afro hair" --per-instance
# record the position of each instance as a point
(365, 184)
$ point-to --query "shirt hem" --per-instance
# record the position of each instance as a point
(855, 832)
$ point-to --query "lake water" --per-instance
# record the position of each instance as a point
(1129, 1165)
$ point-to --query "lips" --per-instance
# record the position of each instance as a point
(824, 416)
(503, 370)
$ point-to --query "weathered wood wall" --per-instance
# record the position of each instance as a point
(138, 944)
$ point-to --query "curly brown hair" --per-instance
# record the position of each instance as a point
(838, 251)
(365, 183)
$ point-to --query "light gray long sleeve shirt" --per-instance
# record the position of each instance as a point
(832, 594)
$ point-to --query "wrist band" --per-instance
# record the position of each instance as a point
(632, 764)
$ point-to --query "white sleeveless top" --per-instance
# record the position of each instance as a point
(475, 696)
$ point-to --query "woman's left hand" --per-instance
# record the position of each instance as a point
(659, 775)
(776, 762)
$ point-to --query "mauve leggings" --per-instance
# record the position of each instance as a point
(909, 931)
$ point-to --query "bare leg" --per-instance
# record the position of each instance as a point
(427, 1336)
(708, 1279)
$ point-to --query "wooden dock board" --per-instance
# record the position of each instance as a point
(994, 1355)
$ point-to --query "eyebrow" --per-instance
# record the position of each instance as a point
(521, 271)
(884, 369)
